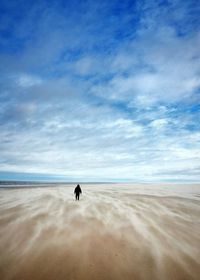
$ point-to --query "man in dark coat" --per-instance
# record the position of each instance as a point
(77, 191)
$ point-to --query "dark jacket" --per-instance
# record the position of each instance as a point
(77, 190)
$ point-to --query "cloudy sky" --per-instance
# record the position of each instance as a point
(100, 90)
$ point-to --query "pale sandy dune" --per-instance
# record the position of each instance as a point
(114, 232)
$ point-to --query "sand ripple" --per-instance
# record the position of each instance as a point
(111, 233)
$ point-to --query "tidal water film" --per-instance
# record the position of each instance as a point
(115, 231)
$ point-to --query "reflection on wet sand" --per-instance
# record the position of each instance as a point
(111, 233)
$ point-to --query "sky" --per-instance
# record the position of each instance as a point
(100, 90)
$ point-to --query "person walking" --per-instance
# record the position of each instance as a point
(77, 192)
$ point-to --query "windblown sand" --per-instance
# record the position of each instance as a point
(114, 232)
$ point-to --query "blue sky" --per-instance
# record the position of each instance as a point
(100, 90)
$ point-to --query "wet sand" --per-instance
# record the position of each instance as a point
(114, 232)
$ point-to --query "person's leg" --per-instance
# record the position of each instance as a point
(78, 196)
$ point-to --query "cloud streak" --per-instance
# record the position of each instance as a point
(108, 91)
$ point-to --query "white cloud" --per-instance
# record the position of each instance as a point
(158, 67)
(116, 112)
(26, 80)
(159, 123)
(85, 66)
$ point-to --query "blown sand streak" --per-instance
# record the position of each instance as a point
(113, 232)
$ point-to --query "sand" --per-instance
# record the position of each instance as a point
(116, 231)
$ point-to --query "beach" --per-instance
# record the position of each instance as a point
(115, 231)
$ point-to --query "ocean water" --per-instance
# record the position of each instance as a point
(116, 231)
